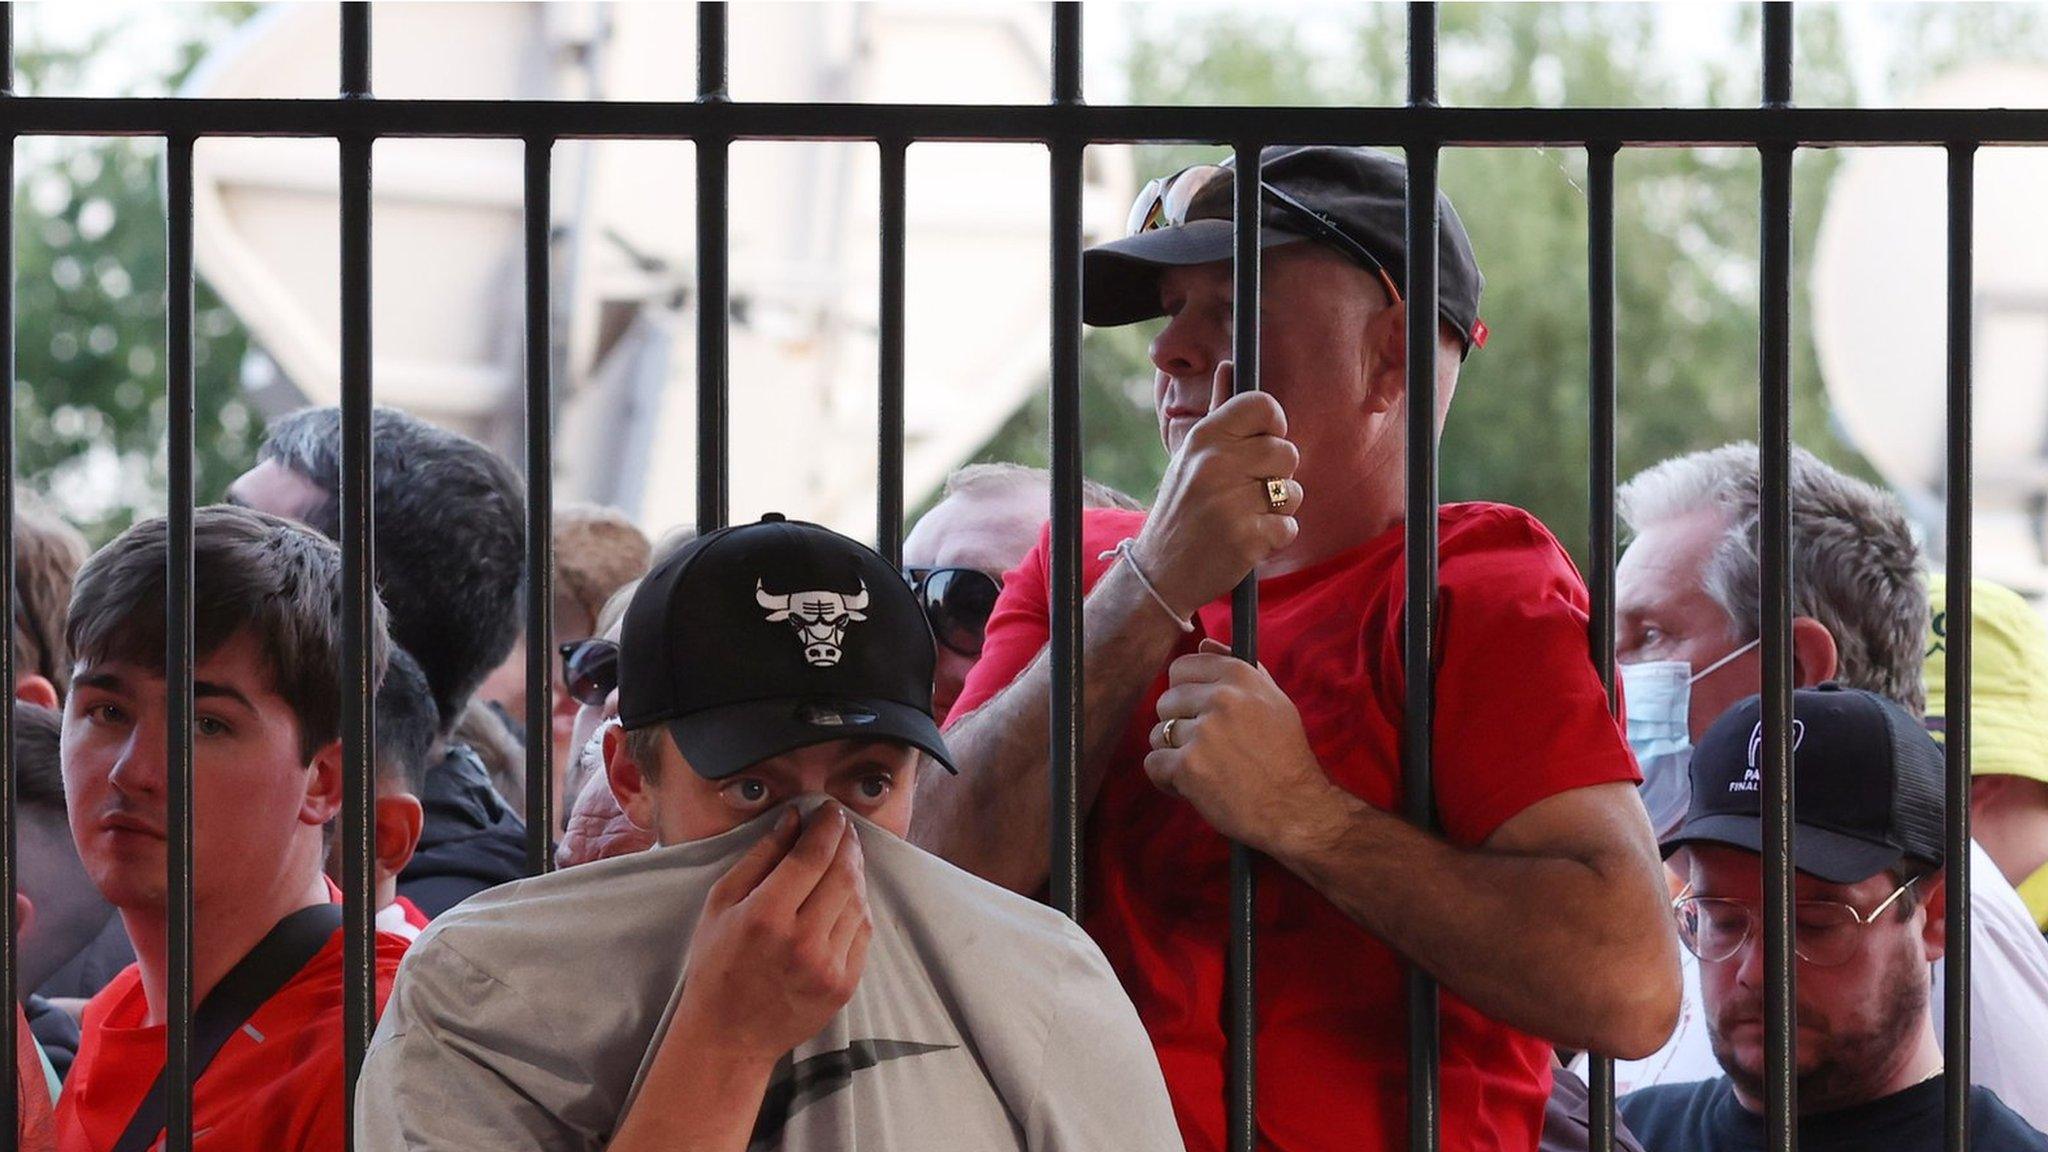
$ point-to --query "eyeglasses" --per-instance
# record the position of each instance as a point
(1205, 192)
(957, 601)
(590, 668)
(1825, 933)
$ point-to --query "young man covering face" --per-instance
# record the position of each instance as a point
(782, 971)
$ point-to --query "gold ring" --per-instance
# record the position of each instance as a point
(1276, 493)
(1166, 733)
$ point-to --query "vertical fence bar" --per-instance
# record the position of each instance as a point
(178, 644)
(1962, 191)
(10, 1119)
(1600, 478)
(890, 354)
(714, 285)
(540, 508)
(1240, 969)
(1065, 405)
(1419, 625)
(1774, 425)
(358, 558)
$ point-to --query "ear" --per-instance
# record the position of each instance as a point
(24, 917)
(1386, 358)
(630, 786)
(399, 819)
(322, 802)
(1813, 652)
(1934, 906)
(35, 689)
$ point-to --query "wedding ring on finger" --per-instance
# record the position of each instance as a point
(1276, 493)
(1166, 732)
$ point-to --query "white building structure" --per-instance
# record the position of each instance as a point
(1880, 325)
(448, 311)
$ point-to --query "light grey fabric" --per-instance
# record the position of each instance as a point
(526, 1017)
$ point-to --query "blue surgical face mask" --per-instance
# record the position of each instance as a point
(1659, 698)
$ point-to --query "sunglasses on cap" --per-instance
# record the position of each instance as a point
(590, 668)
(957, 601)
(1207, 192)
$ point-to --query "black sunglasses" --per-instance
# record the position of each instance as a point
(957, 601)
(590, 668)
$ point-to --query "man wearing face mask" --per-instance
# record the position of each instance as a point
(844, 989)
(1688, 596)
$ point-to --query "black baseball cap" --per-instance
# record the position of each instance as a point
(1362, 192)
(759, 639)
(1867, 785)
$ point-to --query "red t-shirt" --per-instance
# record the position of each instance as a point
(1520, 716)
(276, 1085)
(31, 1092)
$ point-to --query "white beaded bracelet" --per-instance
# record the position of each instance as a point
(1122, 551)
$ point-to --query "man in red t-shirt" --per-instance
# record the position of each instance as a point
(266, 776)
(1538, 903)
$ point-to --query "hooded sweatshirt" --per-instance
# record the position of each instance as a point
(471, 839)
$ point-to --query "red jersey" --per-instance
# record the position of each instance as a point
(275, 1085)
(31, 1091)
(1520, 716)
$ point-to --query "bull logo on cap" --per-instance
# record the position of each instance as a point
(820, 618)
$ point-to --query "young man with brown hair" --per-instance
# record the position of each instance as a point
(266, 779)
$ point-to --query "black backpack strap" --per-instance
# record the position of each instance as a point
(282, 954)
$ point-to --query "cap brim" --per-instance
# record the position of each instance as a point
(720, 742)
(1119, 280)
(1820, 852)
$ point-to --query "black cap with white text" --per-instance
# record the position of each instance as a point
(1867, 785)
(760, 639)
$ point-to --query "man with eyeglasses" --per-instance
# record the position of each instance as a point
(1687, 628)
(987, 518)
(1869, 917)
(1529, 905)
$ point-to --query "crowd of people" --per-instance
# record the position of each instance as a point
(805, 802)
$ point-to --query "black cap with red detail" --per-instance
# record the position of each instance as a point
(1361, 192)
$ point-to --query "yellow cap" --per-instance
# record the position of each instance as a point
(2008, 680)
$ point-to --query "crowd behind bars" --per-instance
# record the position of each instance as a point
(806, 809)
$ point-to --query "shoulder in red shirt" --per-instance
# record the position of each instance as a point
(1520, 716)
(275, 1085)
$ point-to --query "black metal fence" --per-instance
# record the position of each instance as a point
(1066, 126)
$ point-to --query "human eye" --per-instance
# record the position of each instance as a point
(105, 712)
(211, 726)
(748, 793)
(876, 787)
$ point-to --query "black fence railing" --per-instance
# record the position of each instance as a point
(1065, 125)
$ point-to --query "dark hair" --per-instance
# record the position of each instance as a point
(47, 553)
(406, 724)
(450, 538)
(251, 573)
(38, 769)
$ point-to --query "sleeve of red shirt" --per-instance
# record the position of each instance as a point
(1520, 712)
(1017, 629)
(35, 1131)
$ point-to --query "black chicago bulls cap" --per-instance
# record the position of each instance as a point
(759, 639)
(1867, 785)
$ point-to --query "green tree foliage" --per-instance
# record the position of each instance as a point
(90, 378)
(1686, 227)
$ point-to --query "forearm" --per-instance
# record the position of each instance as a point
(1569, 948)
(697, 1095)
(995, 818)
